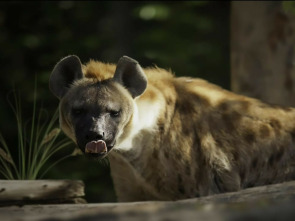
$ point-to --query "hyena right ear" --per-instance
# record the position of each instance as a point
(65, 72)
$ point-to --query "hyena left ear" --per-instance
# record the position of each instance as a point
(65, 72)
(130, 74)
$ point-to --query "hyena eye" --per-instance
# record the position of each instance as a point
(77, 111)
(114, 113)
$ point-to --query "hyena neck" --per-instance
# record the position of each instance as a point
(145, 118)
(130, 159)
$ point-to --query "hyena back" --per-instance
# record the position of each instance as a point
(172, 138)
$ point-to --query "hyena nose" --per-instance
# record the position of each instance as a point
(93, 135)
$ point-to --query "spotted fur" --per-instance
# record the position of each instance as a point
(188, 138)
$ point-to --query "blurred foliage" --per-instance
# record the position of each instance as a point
(289, 7)
(189, 37)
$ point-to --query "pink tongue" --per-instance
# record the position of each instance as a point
(96, 147)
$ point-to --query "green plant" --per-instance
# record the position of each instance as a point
(38, 141)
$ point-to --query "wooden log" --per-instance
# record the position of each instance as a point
(41, 191)
(278, 192)
(273, 202)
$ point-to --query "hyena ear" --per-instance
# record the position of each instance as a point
(130, 74)
(65, 72)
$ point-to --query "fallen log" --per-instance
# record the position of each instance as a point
(21, 192)
(275, 192)
(273, 202)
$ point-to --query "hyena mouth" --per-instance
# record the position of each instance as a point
(97, 148)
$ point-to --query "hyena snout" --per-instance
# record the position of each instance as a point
(85, 136)
(94, 135)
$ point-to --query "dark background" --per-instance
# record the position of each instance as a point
(190, 38)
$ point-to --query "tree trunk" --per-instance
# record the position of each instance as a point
(262, 51)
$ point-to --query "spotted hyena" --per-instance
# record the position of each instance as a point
(170, 138)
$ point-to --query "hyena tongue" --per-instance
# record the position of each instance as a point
(96, 147)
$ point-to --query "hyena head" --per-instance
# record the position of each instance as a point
(95, 114)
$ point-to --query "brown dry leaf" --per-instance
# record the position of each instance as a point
(6, 157)
(50, 136)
